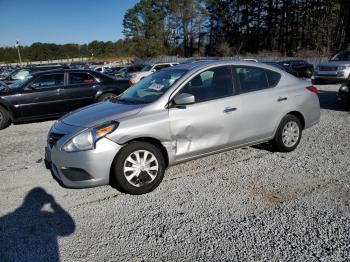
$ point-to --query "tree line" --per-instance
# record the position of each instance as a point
(233, 27)
(214, 28)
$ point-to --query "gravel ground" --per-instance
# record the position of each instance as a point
(248, 204)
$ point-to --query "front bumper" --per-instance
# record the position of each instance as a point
(82, 169)
(331, 76)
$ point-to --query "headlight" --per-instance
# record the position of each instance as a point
(87, 139)
(344, 88)
(341, 67)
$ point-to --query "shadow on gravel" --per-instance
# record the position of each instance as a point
(30, 232)
(328, 100)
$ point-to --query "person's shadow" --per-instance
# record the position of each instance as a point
(30, 232)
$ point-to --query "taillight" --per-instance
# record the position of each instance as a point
(130, 84)
(313, 89)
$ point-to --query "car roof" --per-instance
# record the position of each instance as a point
(62, 70)
(204, 64)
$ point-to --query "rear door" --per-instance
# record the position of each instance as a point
(42, 97)
(80, 90)
(261, 102)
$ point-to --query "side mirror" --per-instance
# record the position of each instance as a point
(184, 99)
(153, 70)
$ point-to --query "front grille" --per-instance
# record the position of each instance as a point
(53, 138)
(328, 68)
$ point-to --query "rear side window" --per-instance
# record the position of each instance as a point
(251, 78)
(254, 78)
(273, 78)
(80, 78)
(48, 81)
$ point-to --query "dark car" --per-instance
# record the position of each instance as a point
(21, 73)
(277, 65)
(299, 68)
(343, 97)
(50, 94)
(124, 72)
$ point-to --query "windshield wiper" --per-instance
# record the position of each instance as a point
(126, 101)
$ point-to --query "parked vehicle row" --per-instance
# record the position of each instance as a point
(49, 94)
(177, 114)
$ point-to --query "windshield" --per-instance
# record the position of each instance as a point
(146, 68)
(20, 75)
(20, 82)
(342, 56)
(152, 87)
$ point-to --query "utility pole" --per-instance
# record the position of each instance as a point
(19, 53)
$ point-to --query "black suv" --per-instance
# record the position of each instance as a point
(49, 94)
(21, 73)
(299, 68)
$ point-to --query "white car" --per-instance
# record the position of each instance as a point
(101, 69)
(148, 70)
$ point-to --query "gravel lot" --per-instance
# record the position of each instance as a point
(243, 205)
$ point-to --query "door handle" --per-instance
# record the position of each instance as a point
(280, 99)
(95, 86)
(229, 109)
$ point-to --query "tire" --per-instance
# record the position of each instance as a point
(288, 134)
(137, 179)
(4, 118)
(106, 97)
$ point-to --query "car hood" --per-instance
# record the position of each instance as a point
(100, 113)
(335, 63)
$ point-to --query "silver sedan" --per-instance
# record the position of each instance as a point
(175, 115)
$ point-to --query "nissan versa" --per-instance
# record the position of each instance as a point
(177, 114)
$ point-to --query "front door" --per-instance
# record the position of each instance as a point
(213, 121)
(42, 97)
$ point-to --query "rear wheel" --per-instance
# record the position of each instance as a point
(107, 97)
(4, 118)
(139, 168)
(288, 134)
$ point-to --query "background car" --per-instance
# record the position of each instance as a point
(22, 73)
(299, 68)
(49, 94)
(336, 70)
(128, 70)
(148, 70)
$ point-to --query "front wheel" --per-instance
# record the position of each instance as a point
(288, 134)
(138, 168)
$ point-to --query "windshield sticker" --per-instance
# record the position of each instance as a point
(156, 87)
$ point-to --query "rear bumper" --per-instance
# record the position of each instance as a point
(82, 169)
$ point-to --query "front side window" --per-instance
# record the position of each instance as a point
(251, 78)
(48, 81)
(211, 84)
(151, 88)
(80, 78)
